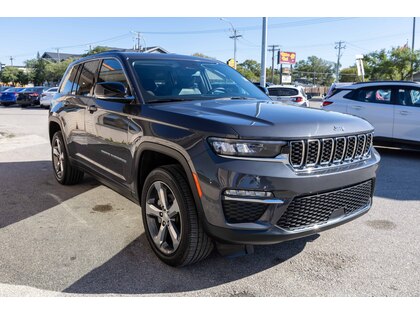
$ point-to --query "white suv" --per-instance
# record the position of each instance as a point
(392, 107)
(289, 95)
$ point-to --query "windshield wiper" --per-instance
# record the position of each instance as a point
(169, 100)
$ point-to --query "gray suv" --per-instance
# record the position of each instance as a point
(210, 158)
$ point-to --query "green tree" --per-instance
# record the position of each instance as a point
(37, 71)
(250, 69)
(54, 71)
(22, 77)
(315, 70)
(197, 54)
(394, 64)
(349, 74)
(9, 75)
(96, 50)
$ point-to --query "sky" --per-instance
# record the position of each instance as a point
(22, 38)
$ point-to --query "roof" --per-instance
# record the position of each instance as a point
(378, 83)
(144, 55)
(63, 56)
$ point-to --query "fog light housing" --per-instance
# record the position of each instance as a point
(248, 193)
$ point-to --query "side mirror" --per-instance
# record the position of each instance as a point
(309, 96)
(112, 91)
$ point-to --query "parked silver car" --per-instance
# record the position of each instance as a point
(289, 95)
(47, 96)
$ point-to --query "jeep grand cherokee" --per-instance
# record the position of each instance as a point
(209, 157)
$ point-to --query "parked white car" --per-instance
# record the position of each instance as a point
(47, 96)
(289, 95)
(392, 107)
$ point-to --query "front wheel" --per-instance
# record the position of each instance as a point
(170, 218)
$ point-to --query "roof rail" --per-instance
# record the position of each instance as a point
(387, 81)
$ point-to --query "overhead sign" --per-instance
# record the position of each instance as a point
(286, 78)
(286, 57)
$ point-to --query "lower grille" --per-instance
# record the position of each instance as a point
(317, 209)
(242, 212)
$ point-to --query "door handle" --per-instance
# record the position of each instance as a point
(404, 112)
(357, 107)
(92, 109)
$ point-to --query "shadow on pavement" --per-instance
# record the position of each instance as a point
(136, 270)
(399, 174)
(27, 188)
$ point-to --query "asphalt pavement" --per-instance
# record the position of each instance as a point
(89, 240)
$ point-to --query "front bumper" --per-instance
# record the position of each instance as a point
(220, 174)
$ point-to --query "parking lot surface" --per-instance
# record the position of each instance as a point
(89, 240)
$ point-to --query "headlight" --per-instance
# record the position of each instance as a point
(246, 148)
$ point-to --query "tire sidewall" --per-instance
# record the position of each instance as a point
(164, 176)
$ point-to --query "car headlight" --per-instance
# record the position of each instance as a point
(246, 148)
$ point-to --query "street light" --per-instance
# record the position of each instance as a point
(235, 36)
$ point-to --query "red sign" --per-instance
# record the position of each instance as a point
(286, 57)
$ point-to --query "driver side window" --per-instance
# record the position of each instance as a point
(112, 71)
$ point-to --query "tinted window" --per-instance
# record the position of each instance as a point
(68, 81)
(373, 95)
(408, 97)
(282, 91)
(87, 77)
(111, 71)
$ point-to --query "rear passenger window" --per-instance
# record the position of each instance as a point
(87, 77)
(373, 95)
(112, 71)
(282, 92)
(69, 80)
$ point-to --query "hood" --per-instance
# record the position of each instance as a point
(268, 119)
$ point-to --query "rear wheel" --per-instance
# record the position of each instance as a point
(65, 173)
(170, 218)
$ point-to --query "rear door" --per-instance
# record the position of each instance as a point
(407, 114)
(375, 105)
(72, 112)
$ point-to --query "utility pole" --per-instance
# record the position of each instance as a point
(412, 49)
(273, 49)
(263, 52)
(234, 37)
(138, 37)
(11, 60)
(339, 46)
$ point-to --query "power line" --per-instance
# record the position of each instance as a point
(254, 27)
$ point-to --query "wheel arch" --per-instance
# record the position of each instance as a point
(172, 155)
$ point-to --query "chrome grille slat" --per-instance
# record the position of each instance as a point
(313, 153)
(340, 149)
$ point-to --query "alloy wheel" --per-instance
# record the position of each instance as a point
(163, 217)
(58, 158)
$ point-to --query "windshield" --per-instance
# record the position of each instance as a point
(184, 80)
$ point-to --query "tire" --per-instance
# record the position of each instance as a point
(64, 172)
(191, 243)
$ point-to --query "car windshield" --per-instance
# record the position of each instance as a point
(52, 90)
(283, 91)
(184, 80)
